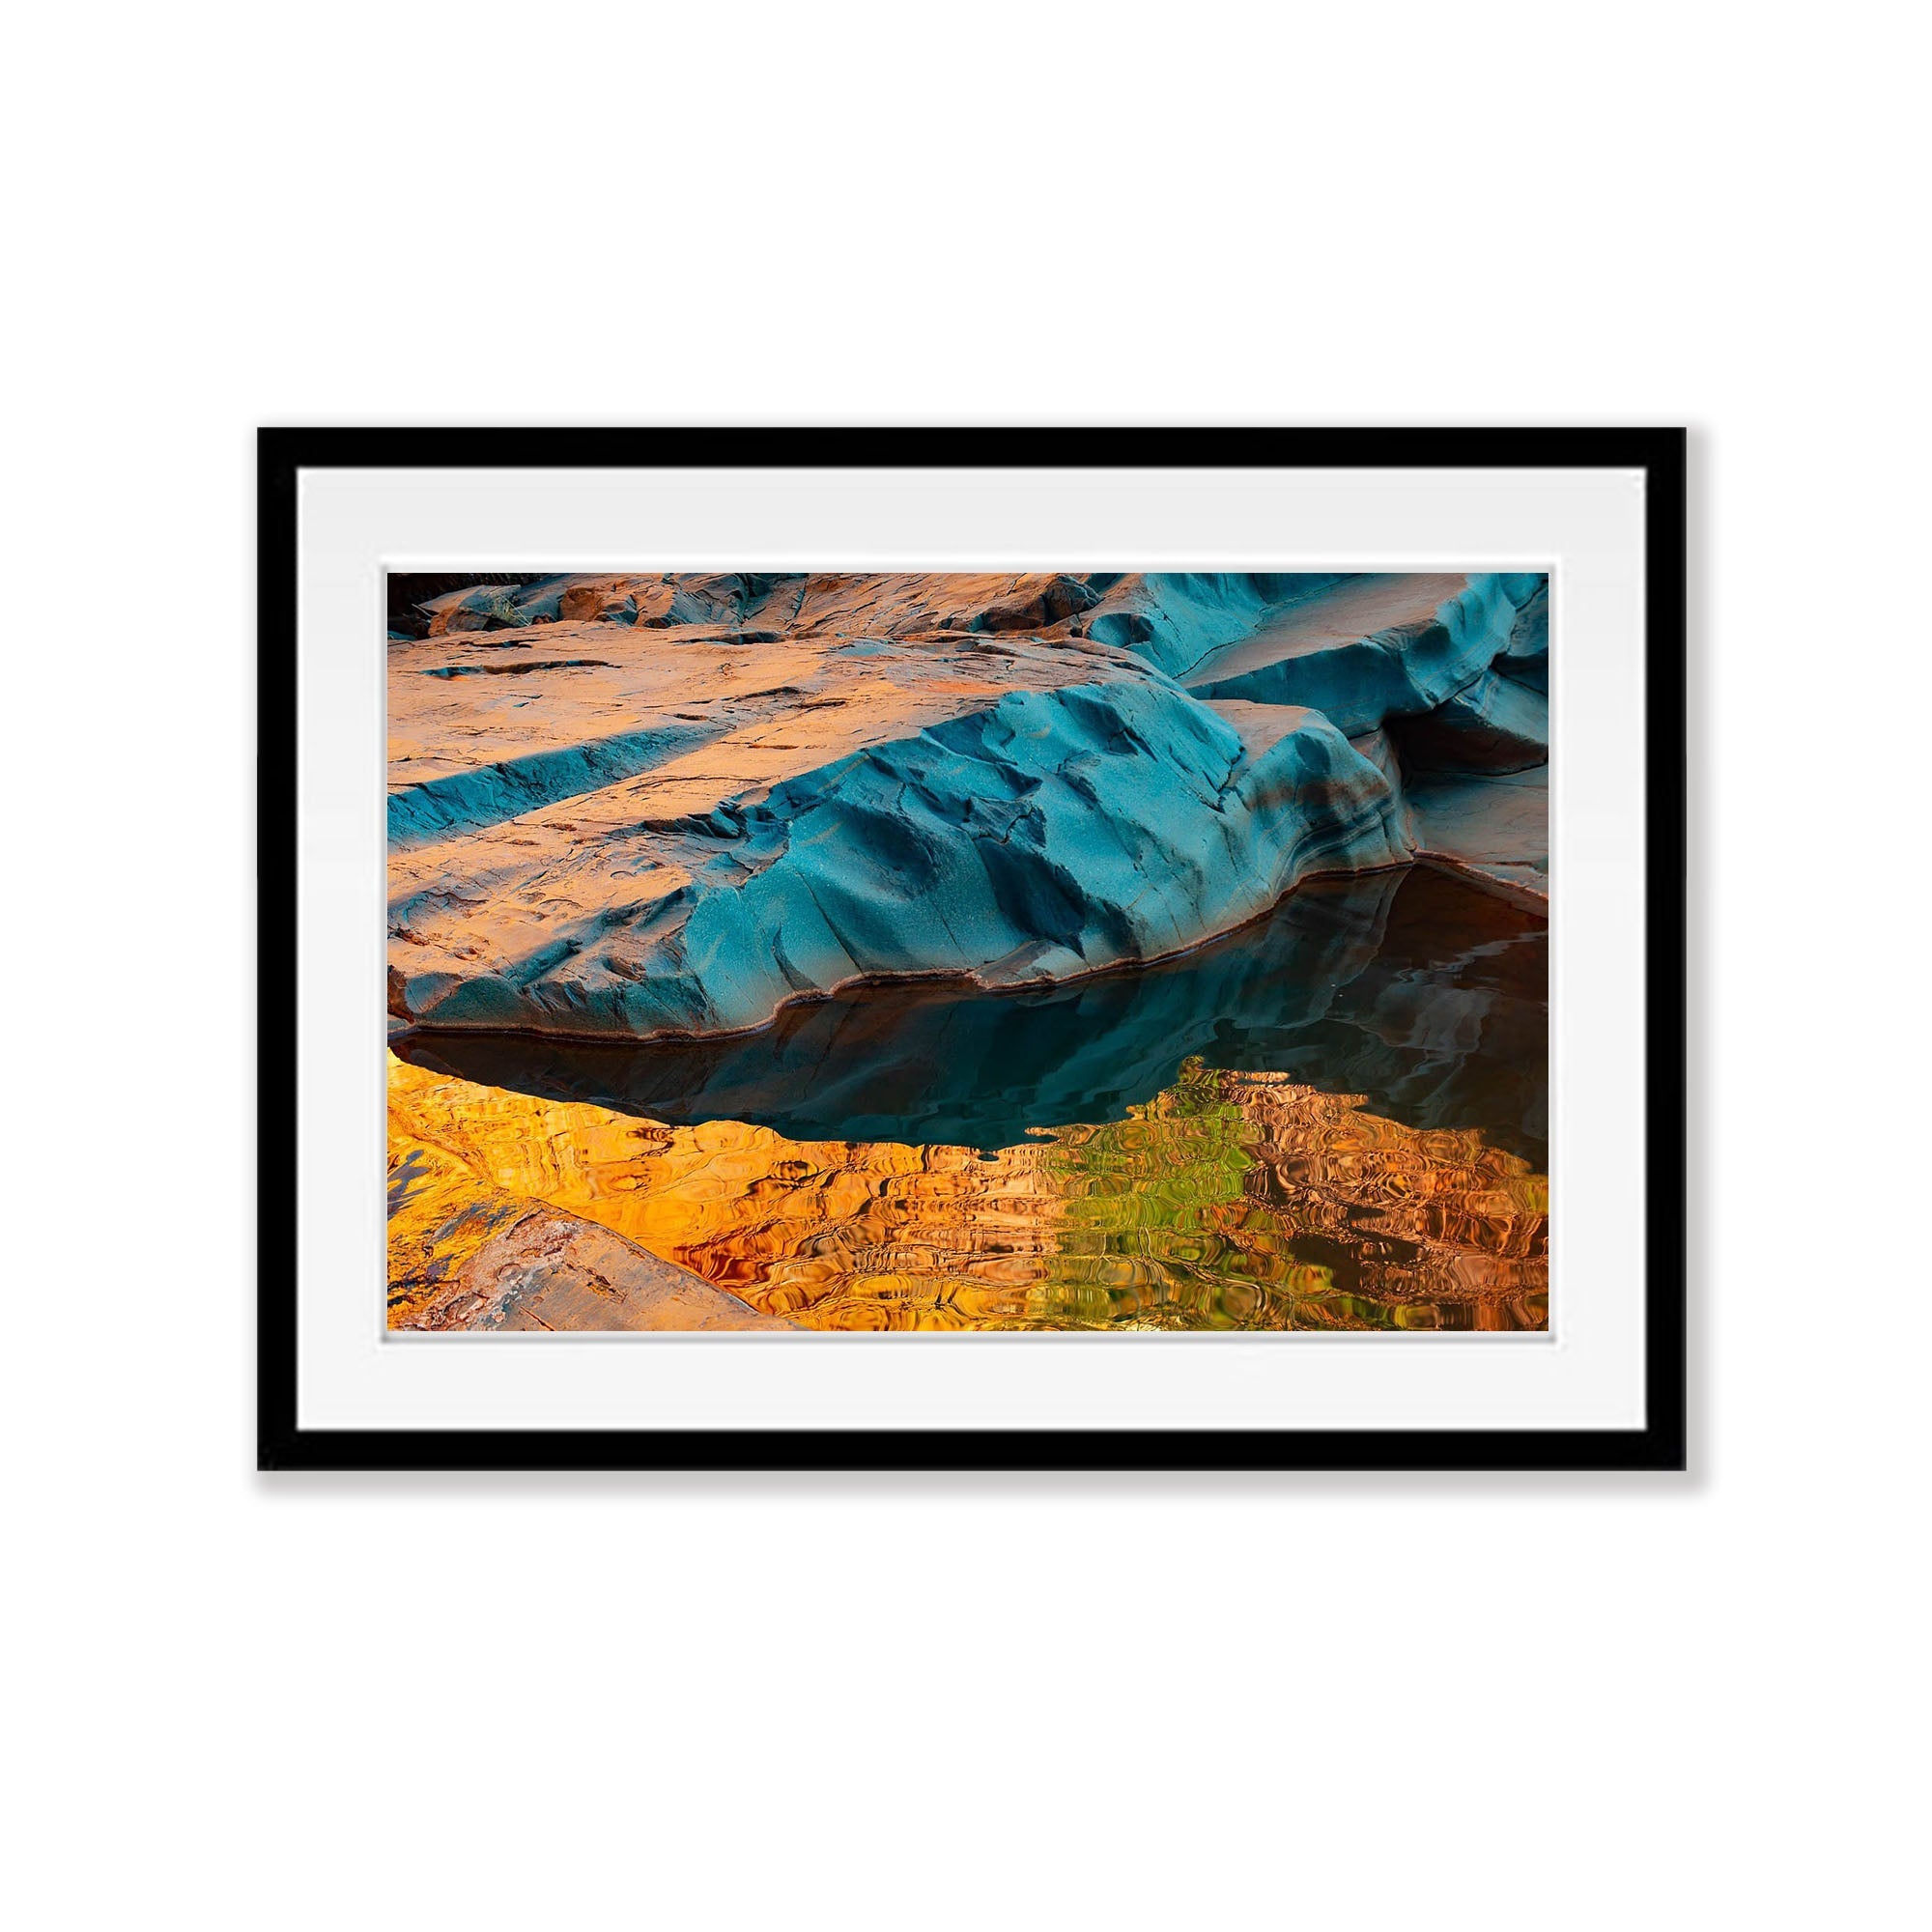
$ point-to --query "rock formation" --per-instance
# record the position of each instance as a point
(632, 806)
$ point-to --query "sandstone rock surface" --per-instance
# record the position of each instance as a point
(628, 806)
(1491, 827)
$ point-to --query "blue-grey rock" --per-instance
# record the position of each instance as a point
(504, 789)
(1494, 724)
(1491, 827)
(1051, 834)
(698, 797)
(1177, 618)
(1526, 659)
(1418, 659)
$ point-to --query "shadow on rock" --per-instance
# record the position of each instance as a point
(1422, 994)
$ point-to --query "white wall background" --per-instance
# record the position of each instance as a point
(890, 1702)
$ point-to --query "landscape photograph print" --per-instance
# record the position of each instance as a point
(1061, 952)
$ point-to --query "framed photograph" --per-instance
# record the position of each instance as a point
(1020, 949)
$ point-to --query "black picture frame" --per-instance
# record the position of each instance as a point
(1660, 1444)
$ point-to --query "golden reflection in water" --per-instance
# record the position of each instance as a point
(1228, 1201)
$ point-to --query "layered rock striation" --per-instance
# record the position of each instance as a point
(636, 806)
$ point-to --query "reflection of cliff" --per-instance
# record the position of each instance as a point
(1438, 1215)
(625, 806)
(1229, 1200)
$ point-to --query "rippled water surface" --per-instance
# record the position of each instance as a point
(1333, 1119)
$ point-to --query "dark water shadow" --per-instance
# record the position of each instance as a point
(1425, 995)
